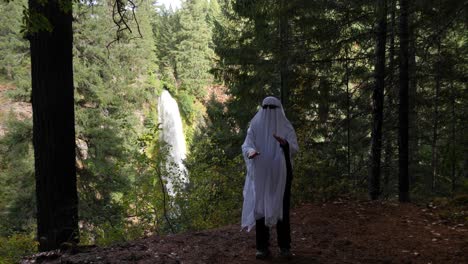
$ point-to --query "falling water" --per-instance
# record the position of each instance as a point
(173, 134)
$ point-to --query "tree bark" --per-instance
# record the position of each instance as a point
(348, 113)
(403, 179)
(284, 65)
(388, 157)
(53, 125)
(378, 99)
(435, 127)
(454, 142)
(412, 99)
(348, 123)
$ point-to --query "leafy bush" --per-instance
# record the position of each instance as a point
(454, 210)
(16, 246)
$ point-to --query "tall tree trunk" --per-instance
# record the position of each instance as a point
(403, 180)
(348, 113)
(284, 65)
(388, 156)
(464, 142)
(53, 125)
(348, 122)
(435, 127)
(390, 102)
(378, 99)
(412, 99)
(453, 141)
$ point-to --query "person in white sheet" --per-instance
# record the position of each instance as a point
(268, 149)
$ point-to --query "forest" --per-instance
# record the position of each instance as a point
(376, 92)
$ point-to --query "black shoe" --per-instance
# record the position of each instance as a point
(285, 253)
(262, 254)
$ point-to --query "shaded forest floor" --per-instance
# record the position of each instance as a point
(336, 232)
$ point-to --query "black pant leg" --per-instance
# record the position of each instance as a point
(283, 227)
(262, 234)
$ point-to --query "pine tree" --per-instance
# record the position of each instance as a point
(164, 30)
(193, 54)
(14, 51)
(113, 85)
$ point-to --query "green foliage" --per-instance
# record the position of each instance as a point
(35, 22)
(328, 49)
(452, 209)
(214, 195)
(119, 156)
(14, 51)
(17, 203)
(326, 62)
(193, 53)
(186, 105)
(112, 85)
(15, 246)
(326, 83)
(107, 233)
(185, 48)
(148, 201)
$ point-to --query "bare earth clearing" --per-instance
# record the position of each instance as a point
(338, 232)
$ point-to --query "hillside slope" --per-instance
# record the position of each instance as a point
(339, 232)
(20, 110)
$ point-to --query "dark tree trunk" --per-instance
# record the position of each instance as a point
(284, 65)
(388, 157)
(348, 122)
(348, 113)
(454, 143)
(53, 125)
(435, 127)
(378, 99)
(412, 99)
(464, 152)
(403, 180)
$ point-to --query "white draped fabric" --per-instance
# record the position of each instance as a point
(266, 173)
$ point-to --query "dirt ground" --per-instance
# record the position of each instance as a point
(337, 232)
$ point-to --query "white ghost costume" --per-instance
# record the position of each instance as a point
(266, 173)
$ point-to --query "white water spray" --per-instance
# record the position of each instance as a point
(173, 134)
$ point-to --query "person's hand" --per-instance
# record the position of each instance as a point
(282, 141)
(253, 154)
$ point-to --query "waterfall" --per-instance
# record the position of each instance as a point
(173, 135)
